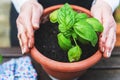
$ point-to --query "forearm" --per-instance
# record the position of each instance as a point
(112, 3)
(19, 3)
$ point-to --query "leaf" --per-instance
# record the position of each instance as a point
(68, 33)
(64, 42)
(53, 16)
(62, 28)
(80, 16)
(83, 41)
(98, 27)
(74, 53)
(86, 31)
(66, 16)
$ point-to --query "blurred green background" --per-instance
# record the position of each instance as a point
(4, 22)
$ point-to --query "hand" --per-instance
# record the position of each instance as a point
(28, 21)
(103, 12)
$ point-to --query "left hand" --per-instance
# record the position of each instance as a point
(27, 22)
(103, 12)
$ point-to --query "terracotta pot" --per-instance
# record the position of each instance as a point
(64, 70)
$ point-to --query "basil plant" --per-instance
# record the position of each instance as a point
(74, 27)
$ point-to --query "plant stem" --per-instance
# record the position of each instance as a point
(74, 40)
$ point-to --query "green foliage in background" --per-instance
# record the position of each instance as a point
(1, 58)
(117, 14)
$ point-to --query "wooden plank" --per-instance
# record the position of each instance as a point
(16, 51)
(111, 63)
(91, 75)
(113, 74)
(116, 51)
(10, 52)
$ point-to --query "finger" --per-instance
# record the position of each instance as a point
(109, 43)
(36, 14)
(102, 40)
(101, 45)
(108, 23)
(20, 30)
(113, 43)
(23, 22)
(29, 32)
(22, 38)
(104, 35)
(29, 29)
(30, 35)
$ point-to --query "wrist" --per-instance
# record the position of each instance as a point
(112, 3)
(18, 4)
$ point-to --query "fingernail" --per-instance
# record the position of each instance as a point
(20, 42)
(103, 49)
(29, 45)
(36, 25)
(23, 51)
(108, 54)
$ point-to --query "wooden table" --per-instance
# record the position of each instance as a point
(106, 69)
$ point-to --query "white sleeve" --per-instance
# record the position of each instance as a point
(18, 4)
(113, 3)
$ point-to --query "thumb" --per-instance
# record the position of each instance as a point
(36, 14)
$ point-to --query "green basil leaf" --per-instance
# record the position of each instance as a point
(74, 53)
(68, 33)
(86, 31)
(66, 16)
(53, 16)
(64, 42)
(98, 27)
(80, 16)
(62, 28)
(83, 41)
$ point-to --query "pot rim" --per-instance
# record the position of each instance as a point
(75, 7)
(65, 66)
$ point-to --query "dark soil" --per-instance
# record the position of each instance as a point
(46, 43)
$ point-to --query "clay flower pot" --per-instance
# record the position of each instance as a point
(65, 70)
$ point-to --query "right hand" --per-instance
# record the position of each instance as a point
(103, 12)
(28, 21)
